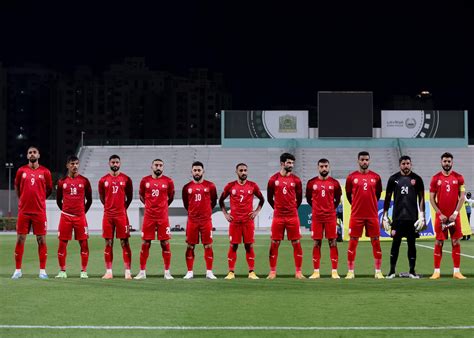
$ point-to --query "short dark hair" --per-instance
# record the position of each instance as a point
(114, 156)
(468, 195)
(404, 158)
(197, 164)
(363, 153)
(72, 158)
(447, 155)
(157, 160)
(286, 156)
(238, 165)
(323, 160)
(33, 147)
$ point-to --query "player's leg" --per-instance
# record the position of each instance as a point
(127, 257)
(249, 239)
(334, 256)
(65, 227)
(81, 234)
(166, 254)
(19, 250)
(373, 231)
(62, 254)
(356, 227)
(441, 236)
(316, 259)
(192, 238)
(108, 230)
(394, 251)
(235, 237)
(411, 236)
(277, 234)
(84, 247)
(206, 238)
(144, 253)
(456, 235)
(40, 227)
(292, 225)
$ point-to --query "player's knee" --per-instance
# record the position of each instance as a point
(162, 243)
(456, 242)
(248, 246)
(40, 239)
(317, 244)
(207, 246)
(332, 243)
(234, 247)
(295, 241)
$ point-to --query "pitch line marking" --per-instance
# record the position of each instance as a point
(429, 247)
(238, 328)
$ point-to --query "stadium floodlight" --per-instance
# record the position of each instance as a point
(9, 166)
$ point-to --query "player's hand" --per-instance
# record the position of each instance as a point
(420, 224)
(453, 217)
(386, 223)
(228, 217)
(442, 218)
(253, 214)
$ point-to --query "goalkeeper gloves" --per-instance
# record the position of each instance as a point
(420, 223)
(387, 223)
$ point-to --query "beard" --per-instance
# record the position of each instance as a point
(158, 172)
(288, 169)
(114, 168)
(33, 160)
(406, 171)
(447, 167)
(197, 178)
(243, 177)
(324, 173)
(364, 166)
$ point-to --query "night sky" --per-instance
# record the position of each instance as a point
(271, 54)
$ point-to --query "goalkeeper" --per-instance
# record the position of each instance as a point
(408, 213)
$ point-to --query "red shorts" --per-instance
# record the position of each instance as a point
(329, 228)
(290, 224)
(454, 231)
(239, 231)
(27, 221)
(371, 225)
(68, 222)
(193, 230)
(119, 224)
(152, 227)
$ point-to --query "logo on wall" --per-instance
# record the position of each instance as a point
(410, 123)
(287, 124)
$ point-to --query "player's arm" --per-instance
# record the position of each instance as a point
(170, 192)
(213, 193)
(442, 217)
(378, 188)
(17, 184)
(141, 190)
(49, 183)
(128, 193)
(421, 195)
(59, 195)
(309, 193)
(299, 193)
(462, 193)
(337, 194)
(349, 189)
(388, 195)
(271, 192)
(101, 188)
(222, 198)
(185, 197)
(87, 196)
(261, 201)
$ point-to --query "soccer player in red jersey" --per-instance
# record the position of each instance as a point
(446, 197)
(323, 194)
(285, 194)
(157, 193)
(33, 184)
(74, 198)
(363, 190)
(116, 193)
(199, 198)
(240, 218)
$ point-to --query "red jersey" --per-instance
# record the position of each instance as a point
(446, 190)
(199, 199)
(33, 186)
(363, 192)
(323, 196)
(241, 199)
(157, 194)
(116, 192)
(72, 194)
(285, 194)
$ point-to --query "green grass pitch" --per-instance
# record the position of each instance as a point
(266, 305)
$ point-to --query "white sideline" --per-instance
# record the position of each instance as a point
(237, 328)
(432, 248)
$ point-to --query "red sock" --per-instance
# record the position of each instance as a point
(190, 258)
(297, 255)
(250, 256)
(19, 249)
(274, 255)
(166, 254)
(456, 254)
(108, 256)
(351, 253)
(231, 258)
(127, 256)
(377, 252)
(209, 257)
(144, 253)
(438, 254)
(62, 253)
(334, 255)
(316, 257)
(84, 254)
(43, 255)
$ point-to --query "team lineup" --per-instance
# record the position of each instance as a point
(363, 189)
